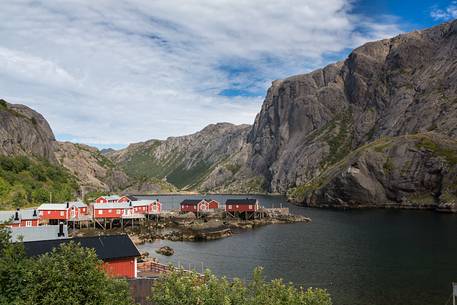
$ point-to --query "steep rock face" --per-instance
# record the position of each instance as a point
(413, 171)
(391, 87)
(24, 131)
(183, 161)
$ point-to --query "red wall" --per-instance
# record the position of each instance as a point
(107, 214)
(101, 200)
(83, 211)
(213, 204)
(23, 223)
(188, 208)
(121, 267)
(53, 214)
(241, 208)
(142, 209)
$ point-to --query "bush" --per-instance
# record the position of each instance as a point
(25, 181)
(69, 274)
(184, 288)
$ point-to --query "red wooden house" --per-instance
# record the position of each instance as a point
(242, 207)
(20, 218)
(118, 252)
(57, 211)
(198, 205)
(112, 210)
(146, 207)
(107, 199)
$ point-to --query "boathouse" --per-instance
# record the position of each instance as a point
(244, 208)
(107, 199)
(213, 204)
(53, 212)
(146, 207)
(118, 252)
(127, 198)
(190, 205)
(112, 210)
(20, 218)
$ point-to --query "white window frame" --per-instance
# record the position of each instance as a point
(28, 223)
(100, 212)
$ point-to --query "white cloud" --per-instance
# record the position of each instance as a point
(447, 13)
(115, 72)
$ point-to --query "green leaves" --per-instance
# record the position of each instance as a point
(69, 275)
(25, 181)
(184, 288)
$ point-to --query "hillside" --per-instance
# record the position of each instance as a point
(182, 161)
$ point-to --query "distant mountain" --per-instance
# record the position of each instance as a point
(186, 161)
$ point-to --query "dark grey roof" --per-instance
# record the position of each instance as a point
(191, 201)
(241, 201)
(107, 247)
(132, 198)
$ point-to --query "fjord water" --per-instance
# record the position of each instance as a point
(363, 257)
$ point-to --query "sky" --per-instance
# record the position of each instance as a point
(109, 73)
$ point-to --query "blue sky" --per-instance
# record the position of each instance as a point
(109, 73)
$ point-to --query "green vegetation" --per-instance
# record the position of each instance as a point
(24, 181)
(449, 154)
(185, 288)
(68, 275)
(233, 168)
(144, 164)
(337, 134)
(300, 192)
(388, 166)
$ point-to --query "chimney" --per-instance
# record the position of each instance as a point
(68, 205)
(61, 233)
(16, 214)
(34, 213)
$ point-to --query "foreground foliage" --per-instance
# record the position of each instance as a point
(69, 275)
(184, 288)
(24, 181)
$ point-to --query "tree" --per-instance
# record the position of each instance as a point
(184, 288)
(71, 274)
(13, 268)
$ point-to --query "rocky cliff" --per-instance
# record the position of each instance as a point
(310, 123)
(24, 132)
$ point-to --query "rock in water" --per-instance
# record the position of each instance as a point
(165, 250)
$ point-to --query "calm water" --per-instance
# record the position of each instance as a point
(382, 257)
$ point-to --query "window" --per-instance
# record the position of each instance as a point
(28, 223)
(100, 212)
(62, 213)
(237, 206)
(41, 213)
(109, 211)
(118, 211)
(250, 206)
(230, 206)
(49, 212)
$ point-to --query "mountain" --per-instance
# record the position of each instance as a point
(183, 161)
(34, 167)
(305, 137)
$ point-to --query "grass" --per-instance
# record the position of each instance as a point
(449, 154)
